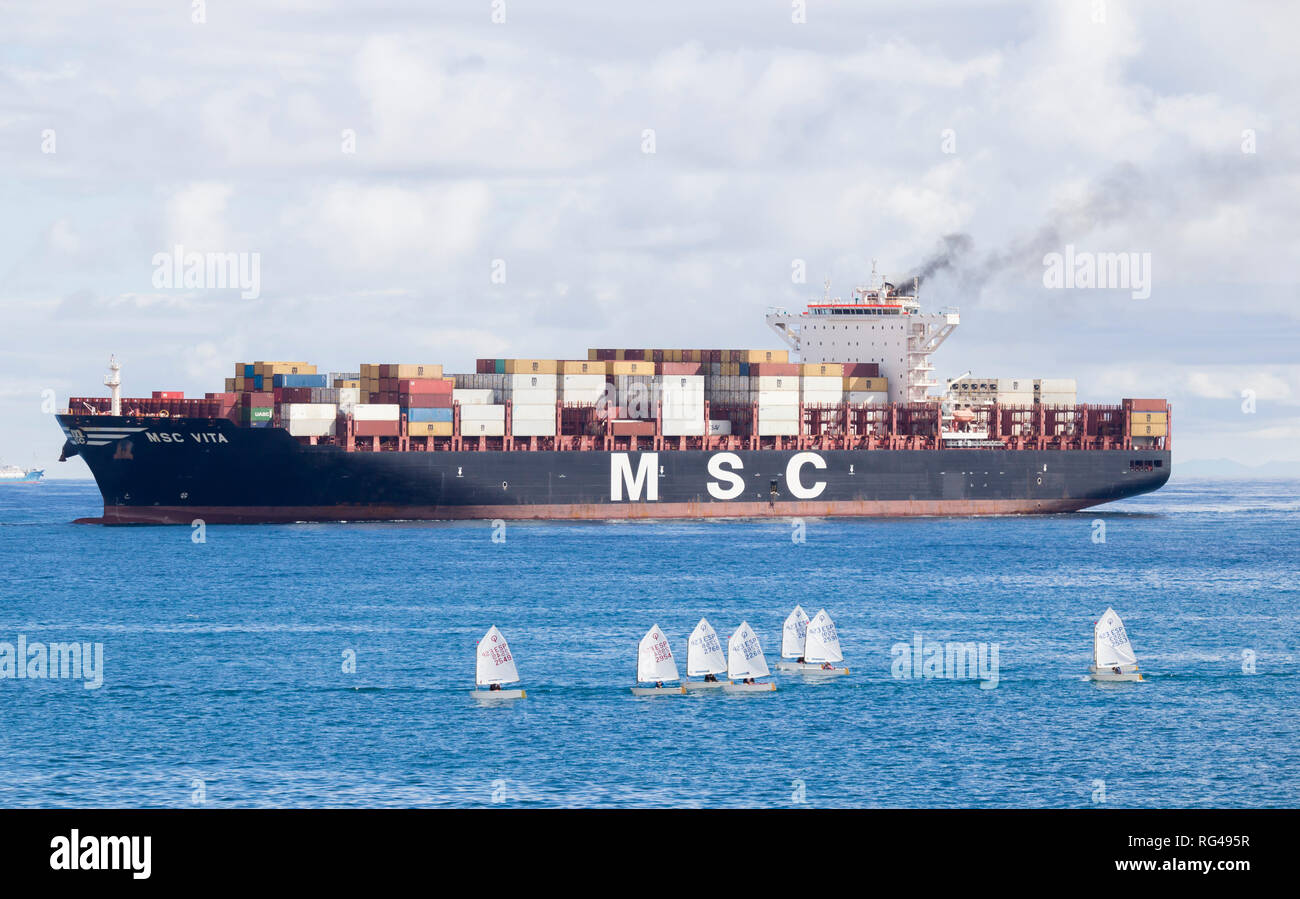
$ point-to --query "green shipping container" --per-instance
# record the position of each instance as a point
(500, 366)
(257, 413)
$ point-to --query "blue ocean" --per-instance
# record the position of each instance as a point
(331, 665)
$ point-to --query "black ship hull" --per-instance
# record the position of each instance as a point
(174, 471)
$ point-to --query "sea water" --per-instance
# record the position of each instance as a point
(331, 665)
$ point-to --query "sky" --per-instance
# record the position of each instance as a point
(435, 182)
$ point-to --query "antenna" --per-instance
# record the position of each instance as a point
(113, 381)
(826, 293)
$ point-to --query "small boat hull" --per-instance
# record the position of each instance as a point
(808, 668)
(693, 686)
(749, 688)
(658, 691)
(492, 695)
(1109, 676)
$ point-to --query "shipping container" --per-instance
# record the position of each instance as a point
(473, 396)
(632, 367)
(429, 428)
(428, 414)
(765, 369)
(822, 370)
(483, 428)
(631, 428)
(532, 366)
(720, 427)
(583, 367)
(376, 412)
(866, 383)
(1145, 405)
(533, 427)
(482, 413)
(376, 428)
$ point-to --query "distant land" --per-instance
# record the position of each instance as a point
(1227, 468)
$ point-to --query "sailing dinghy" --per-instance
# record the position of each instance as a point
(496, 666)
(1113, 658)
(745, 661)
(704, 658)
(793, 634)
(655, 665)
(822, 647)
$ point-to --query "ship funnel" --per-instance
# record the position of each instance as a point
(113, 381)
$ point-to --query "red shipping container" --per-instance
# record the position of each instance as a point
(656, 355)
(633, 428)
(169, 394)
(485, 366)
(426, 401)
(763, 369)
(736, 356)
(377, 428)
(606, 355)
(424, 385)
(861, 369)
(1145, 405)
(679, 368)
(714, 355)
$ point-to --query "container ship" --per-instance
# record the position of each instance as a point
(842, 422)
(12, 474)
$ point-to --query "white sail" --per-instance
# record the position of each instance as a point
(495, 663)
(1111, 648)
(823, 643)
(744, 656)
(793, 633)
(654, 659)
(704, 651)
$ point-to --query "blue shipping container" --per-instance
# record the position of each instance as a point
(249, 370)
(300, 380)
(257, 382)
(428, 415)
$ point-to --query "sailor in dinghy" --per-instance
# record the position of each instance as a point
(822, 647)
(655, 664)
(704, 658)
(746, 662)
(496, 666)
(793, 633)
(1113, 659)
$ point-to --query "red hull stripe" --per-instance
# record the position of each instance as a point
(588, 512)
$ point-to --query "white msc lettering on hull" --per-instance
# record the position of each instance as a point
(177, 437)
(798, 461)
(724, 468)
(646, 477)
(716, 490)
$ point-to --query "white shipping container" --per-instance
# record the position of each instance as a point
(771, 428)
(481, 412)
(376, 412)
(1016, 399)
(311, 427)
(349, 397)
(534, 398)
(1058, 399)
(778, 398)
(582, 382)
(536, 428)
(824, 397)
(531, 382)
(1056, 385)
(819, 384)
(720, 426)
(868, 396)
(533, 413)
(775, 382)
(304, 411)
(690, 427)
(483, 428)
(1015, 385)
(472, 396)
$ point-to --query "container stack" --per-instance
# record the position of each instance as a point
(377, 419)
(1055, 391)
(309, 419)
(683, 405)
(479, 415)
(532, 387)
(777, 393)
(426, 402)
(1147, 418)
(583, 382)
(1015, 392)
(822, 383)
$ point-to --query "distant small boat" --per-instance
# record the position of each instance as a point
(12, 474)
(495, 666)
(655, 665)
(1113, 658)
(745, 662)
(793, 634)
(704, 658)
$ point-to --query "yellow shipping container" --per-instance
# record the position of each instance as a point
(631, 367)
(580, 367)
(532, 366)
(1148, 417)
(1153, 429)
(418, 370)
(767, 355)
(591, 355)
(823, 370)
(230, 385)
(429, 428)
(346, 384)
(872, 384)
